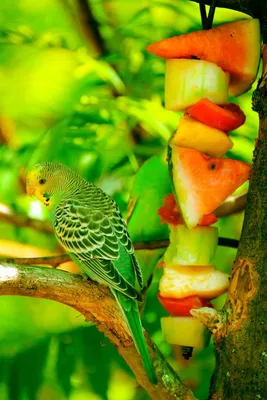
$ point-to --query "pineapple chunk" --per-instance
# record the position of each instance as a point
(198, 136)
(185, 331)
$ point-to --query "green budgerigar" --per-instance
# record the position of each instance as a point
(88, 224)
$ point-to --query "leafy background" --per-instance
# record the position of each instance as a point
(91, 97)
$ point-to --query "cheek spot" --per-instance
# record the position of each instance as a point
(47, 199)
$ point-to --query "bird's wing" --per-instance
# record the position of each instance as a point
(106, 273)
(110, 208)
(84, 229)
(89, 235)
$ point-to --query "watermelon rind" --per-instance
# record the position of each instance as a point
(182, 187)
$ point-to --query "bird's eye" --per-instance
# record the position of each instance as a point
(42, 181)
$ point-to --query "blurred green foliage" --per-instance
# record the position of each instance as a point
(103, 115)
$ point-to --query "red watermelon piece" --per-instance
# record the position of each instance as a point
(235, 47)
(202, 183)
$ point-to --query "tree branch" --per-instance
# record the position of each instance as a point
(232, 205)
(55, 261)
(7, 215)
(97, 304)
(242, 336)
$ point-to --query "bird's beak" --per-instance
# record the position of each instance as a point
(30, 190)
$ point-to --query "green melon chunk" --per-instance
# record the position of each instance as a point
(181, 184)
(195, 246)
(185, 331)
(188, 81)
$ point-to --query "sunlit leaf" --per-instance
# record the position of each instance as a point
(66, 362)
(144, 222)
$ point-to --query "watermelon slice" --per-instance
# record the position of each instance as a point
(182, 307)
(202, 183)
(235, 47)
(170, 213)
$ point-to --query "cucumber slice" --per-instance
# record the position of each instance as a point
(183, 281)
(195, 246)
(185, 331)
(188, 81)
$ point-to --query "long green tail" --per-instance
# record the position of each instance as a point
(129, 308)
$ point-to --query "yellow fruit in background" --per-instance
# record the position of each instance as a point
(37, 83)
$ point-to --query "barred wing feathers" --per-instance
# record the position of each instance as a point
(95, 235)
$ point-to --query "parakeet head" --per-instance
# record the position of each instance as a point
(49, 182)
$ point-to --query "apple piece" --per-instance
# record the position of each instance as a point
(183, 281)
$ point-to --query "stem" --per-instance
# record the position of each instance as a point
(90, 26)
(203, 14)
(7, 215)
(211, 14)
(246, 6)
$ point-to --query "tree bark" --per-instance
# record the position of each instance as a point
(240, 329)
(240, 340)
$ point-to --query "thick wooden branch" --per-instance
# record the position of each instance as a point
(211, 318)
(97, 304)
(7, 215)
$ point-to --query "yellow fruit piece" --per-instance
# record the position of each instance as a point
(188, 81)
(183, 281)
(198, 136)
(185, 331)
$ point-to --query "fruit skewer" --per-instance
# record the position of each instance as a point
(201, 68)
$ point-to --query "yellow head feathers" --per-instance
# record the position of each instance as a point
(44, 181)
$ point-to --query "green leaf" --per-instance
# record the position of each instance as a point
(151, 184)
(26, 373)
(95, 356)
(66, 361)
